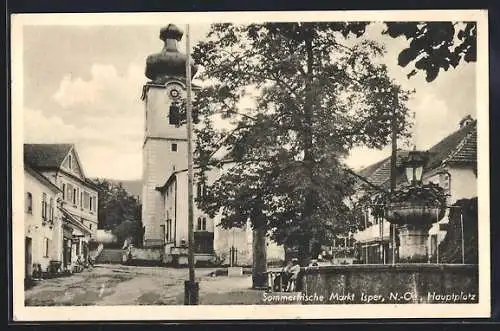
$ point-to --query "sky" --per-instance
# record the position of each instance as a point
(82, 85)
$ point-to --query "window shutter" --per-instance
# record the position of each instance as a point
(29, 203)
(51, 210)
(69, 192)
(44, 206)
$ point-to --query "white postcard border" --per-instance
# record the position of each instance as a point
(108, 313)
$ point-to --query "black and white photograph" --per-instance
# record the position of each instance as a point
(184, 166)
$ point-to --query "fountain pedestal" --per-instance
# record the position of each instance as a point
(413, 243)
(414, 221)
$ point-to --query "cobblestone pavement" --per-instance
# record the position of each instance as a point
(129, 285)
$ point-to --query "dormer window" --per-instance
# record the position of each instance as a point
(466, 121)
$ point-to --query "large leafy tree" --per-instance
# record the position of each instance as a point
(435, 45)
(118, 210)
(317, 90)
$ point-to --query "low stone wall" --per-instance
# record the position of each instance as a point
(393, 284)
(144, 255)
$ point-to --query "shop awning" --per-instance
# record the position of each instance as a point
(74, 222)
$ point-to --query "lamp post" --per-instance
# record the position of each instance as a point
(414, 167)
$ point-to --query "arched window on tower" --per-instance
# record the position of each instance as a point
(198, 224)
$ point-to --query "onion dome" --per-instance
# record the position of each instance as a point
(169, 62)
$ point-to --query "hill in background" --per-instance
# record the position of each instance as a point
(133, 187)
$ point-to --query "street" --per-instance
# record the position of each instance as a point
(110, 285)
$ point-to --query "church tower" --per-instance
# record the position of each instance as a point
(165, 140)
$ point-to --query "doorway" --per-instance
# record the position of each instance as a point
(27, 257)
(66, 253)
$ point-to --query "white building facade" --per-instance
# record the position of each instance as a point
(42, 221)
(78, 197)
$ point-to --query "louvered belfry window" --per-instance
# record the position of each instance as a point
(174, 115)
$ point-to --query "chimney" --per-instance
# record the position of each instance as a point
(465, 121)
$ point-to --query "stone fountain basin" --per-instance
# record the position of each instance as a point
(413, 213)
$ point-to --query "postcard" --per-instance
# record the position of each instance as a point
(250, 165)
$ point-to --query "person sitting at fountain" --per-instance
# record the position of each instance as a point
(293, 271)
(280, 282)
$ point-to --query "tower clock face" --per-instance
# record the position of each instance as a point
(174, 91)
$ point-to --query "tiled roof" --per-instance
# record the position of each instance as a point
(461, 145)
(458, 147)
(466, 152)
(380, 172)
(41, 178)
(45, 155)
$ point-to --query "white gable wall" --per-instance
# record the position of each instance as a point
(80, 210)
(71, 165)
(461, 184)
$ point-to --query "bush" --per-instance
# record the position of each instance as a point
(450, 249)
(93, 244)
(127, 229)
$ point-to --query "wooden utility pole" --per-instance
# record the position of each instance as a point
(381, 234)
(462, 234)
(190, 287)
(394, 152)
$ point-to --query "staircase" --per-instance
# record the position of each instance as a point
(94, 254)
(110, 256)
